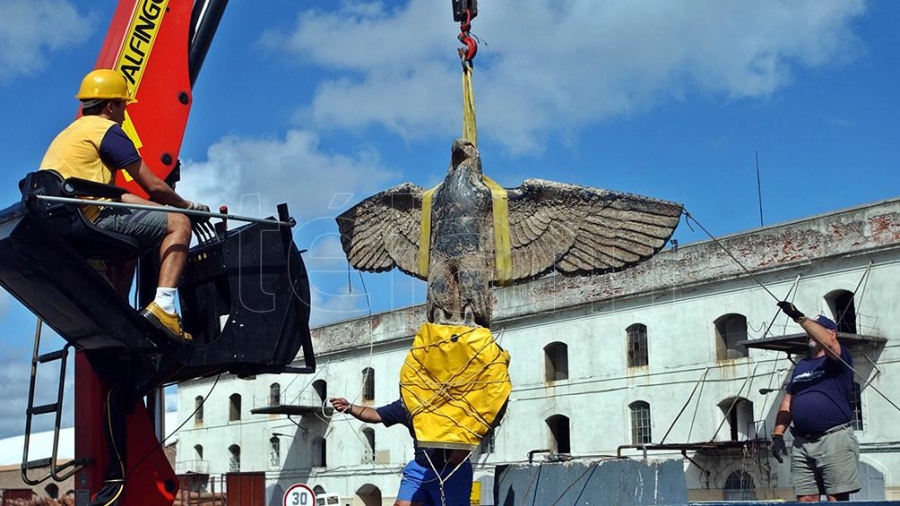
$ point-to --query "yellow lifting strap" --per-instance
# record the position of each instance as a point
(425, 232)
(499, 202)
(502, 245)
(470, 128)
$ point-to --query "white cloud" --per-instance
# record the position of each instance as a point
(329, 308)
(556, 65)
(295, 169)
(326, 254)
(331, 297)
(30, 28)
(171, 401)
(14, 382)
(252, 175)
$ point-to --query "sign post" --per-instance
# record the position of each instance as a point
(299, 494)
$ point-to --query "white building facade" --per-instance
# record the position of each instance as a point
(680, 357)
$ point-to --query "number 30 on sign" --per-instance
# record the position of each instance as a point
(299, 494)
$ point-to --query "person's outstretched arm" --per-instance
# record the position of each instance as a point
(361, 413)
(826, 338)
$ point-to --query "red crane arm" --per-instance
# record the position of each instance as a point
(148, 42)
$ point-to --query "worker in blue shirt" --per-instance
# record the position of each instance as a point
(825, 452)
(436, 476)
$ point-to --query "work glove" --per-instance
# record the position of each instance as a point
(778, 448)
(200, 224)
(196, 206)
(790, 310)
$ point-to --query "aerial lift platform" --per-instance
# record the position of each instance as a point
(244, 292)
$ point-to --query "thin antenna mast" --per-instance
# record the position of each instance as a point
(759, 190)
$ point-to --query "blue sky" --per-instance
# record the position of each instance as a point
(322, 103)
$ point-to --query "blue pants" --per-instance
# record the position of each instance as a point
(421, 484)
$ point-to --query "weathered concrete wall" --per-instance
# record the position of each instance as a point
(383, 328)
(762, 494)
(11, 478)
(789, 503)
(617, 482)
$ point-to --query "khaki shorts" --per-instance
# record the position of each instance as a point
(148, 227)
(828, 465)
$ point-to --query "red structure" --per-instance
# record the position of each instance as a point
(244, 292)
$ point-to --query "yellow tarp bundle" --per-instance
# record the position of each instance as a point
(454, 382)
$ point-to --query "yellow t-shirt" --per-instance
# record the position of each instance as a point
(92, 148)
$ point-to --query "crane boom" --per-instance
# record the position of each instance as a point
(244, 292)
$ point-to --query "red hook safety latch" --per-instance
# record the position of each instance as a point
(468, 53)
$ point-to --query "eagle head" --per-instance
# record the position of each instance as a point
(464, 155)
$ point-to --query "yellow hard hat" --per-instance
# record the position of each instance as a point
(104, 84)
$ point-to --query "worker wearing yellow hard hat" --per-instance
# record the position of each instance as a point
(95, 147)
(104, 84)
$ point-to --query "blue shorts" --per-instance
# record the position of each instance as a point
(421, 485)
(148, 227)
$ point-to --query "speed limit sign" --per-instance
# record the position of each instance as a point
(299, 494)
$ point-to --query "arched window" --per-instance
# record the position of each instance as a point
(234, 407)
(369, 455)
(369, 494)
(640, 423)
(856, 406)
(198, 410)
(274, 452)
(321, 388)
(198, 452)
(739, 487)
(843, 309)
(730, 330)
(319, 456)
(274, 394)
(318, 490)
(556, 362)
(368, 377)
(560, 441)
(234, 459)
(637, 345)
(52, 491)
(739, 413)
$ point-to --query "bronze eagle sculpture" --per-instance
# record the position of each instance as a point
(573, 229)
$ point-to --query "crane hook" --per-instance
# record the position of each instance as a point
(468, 53)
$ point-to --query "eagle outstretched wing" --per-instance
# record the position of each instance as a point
(576, 230)
(382, 231)
(580, 230)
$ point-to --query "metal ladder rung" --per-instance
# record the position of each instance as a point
(37, 464)
(53, 407)
(44, 409)
(53, 355)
